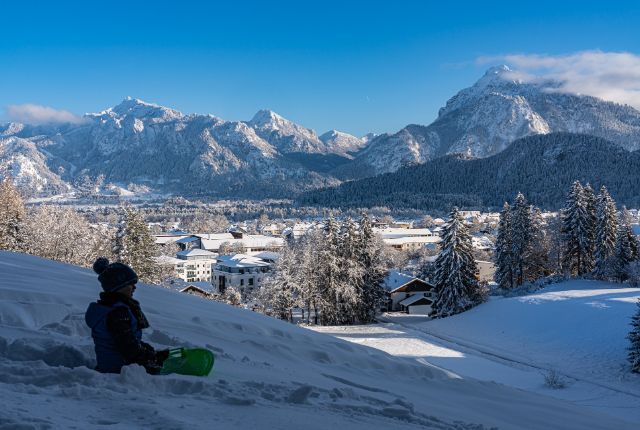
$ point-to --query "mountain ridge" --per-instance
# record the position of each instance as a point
(167, 151)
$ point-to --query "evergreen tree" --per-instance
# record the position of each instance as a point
(456, 271)
(12, 217)
(372, 294)
(634, 338)
(520, 238)
(135, 246)
(329, 274)
(577, 231)
(280, 292)
(591, 206)
(349, 287)
(537, 259)
(626, 248)
(606, 231)
(503, 256)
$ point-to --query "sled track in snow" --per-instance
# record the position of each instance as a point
(464, 346)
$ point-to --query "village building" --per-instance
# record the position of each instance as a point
(236, 240)
(272, 229)
(199, 288)
(165, 239)
(241, 271)
(408, 294)
(197, 264)
(408, 238)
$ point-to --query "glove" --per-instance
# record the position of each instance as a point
(161, 356)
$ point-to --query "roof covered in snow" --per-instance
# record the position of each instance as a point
(241, 261)
(195, 252)
(395, 279)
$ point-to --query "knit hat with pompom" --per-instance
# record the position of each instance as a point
(113, 276)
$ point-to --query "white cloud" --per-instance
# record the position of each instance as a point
(613, 76)
(37, 114)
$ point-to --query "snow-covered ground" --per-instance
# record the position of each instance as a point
(576, 329)
(268, 374)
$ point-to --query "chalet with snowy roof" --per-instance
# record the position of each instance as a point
(201, 289)
(408, 293)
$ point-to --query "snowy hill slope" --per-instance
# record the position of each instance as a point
(577, 329)
(268, 374)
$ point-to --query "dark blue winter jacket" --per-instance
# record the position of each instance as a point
(116, 325)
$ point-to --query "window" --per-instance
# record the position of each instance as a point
(250, 281)
(241, 282)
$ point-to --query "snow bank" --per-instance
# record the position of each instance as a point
(268, 374)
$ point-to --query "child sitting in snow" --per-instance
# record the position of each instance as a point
(117, 321)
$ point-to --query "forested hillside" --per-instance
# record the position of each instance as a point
(542, 166)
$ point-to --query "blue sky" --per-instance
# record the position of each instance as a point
(354, 66)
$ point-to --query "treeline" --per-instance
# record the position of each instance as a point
(333, 274)
(64, 235)
(540, 166)
(589, 238)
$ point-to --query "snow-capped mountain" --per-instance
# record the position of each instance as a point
(499, 108)
(341, 142)
(142, 143)
(286, 135)
(28, 166)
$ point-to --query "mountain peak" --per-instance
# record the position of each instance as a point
(141, 109)
(266, 116)
(495, 75)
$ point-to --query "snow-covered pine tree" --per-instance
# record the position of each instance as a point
(626, 248)
(520, 237)
(634, 338)
(503, 260)
(606, 232)
(577, 232)
(310, 248)
(591, 205)
(135, 246)
(349, 287)
(537, 259)
(281, 292)
(12, 217)
(329, 271)
(372, 295)
(456, 271)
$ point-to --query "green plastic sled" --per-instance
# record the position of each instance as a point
(183, 361)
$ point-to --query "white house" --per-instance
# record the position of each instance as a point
(408, 293)
(407, 238)
(197, 264)
(240, 271)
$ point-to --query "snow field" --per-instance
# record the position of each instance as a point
(576, 329)
(268, 374)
